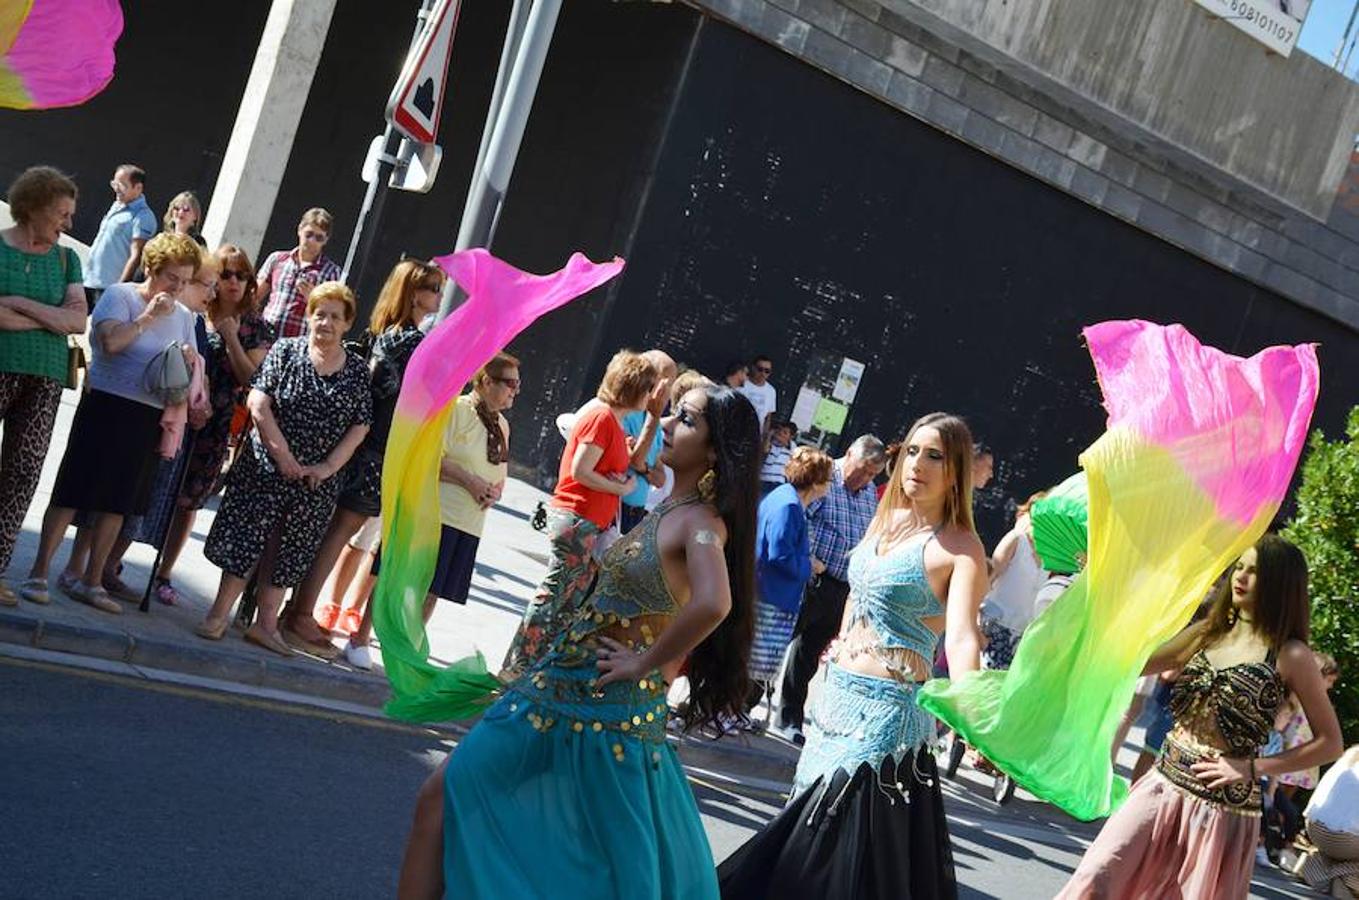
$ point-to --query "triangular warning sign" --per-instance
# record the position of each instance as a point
(418, 98)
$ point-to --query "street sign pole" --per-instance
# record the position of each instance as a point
(505, 123)
(375, 197)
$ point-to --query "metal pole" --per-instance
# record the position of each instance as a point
(375, 197)
(1340, 49)
(492, 177)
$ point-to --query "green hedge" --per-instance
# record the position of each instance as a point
(1326, 527)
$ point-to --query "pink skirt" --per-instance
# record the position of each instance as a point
(1165, 843)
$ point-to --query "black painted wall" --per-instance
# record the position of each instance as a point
(792, 215)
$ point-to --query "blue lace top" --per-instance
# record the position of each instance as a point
(892, 595)
(862, 719)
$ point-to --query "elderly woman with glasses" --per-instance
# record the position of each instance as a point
(237, 340)
(111, 454)
(311, 408)
(411, 293)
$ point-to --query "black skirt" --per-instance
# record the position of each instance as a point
(875, 835)
(452, 578)
(111, 456)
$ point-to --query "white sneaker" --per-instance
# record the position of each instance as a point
(789, 733)
(358, 656)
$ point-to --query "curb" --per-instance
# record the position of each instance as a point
(729, 754)
(118, 646)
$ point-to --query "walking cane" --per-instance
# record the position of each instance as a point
(187, 451)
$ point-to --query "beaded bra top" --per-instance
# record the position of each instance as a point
(630, 592)
(1228, 711)
(892, 595)
(1238, 702)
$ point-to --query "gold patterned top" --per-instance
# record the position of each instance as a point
(1220, 712)
(631, 603)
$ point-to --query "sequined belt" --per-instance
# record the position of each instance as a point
(1176, 765)
(860, 719)
(566, 697)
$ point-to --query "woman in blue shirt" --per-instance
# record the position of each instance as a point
(783, 560)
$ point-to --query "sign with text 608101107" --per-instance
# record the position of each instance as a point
(418, 98)
(1274, 23)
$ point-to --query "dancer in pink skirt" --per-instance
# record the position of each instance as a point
(1189, 829)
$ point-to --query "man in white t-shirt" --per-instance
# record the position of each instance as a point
(760, 392)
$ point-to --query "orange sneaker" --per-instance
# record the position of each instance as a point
(326, 614)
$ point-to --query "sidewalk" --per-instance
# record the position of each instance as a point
(510, 563)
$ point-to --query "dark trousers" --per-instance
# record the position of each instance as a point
(629, 516)
(818, 621)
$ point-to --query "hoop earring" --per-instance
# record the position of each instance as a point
(707, 486)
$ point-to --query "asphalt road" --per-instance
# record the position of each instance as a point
(114, 788)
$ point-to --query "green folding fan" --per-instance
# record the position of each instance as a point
(1060, 526)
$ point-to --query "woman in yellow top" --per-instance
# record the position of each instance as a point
(471, 478)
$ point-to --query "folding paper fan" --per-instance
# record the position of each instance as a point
(1060, 526)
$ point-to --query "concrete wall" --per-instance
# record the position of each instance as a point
(1283, 125)
(1249, 193)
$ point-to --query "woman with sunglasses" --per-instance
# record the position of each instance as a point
(411, 293)
(472, 475)
(184, 216)
(238, 340)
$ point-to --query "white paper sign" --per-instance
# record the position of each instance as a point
(805, 408)
(847, 385)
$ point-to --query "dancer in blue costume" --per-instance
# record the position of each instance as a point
(866, 819)
(567, 788)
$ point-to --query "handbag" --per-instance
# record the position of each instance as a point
(167, 375)
(75, 361)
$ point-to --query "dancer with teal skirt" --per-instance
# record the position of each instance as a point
(567, 788)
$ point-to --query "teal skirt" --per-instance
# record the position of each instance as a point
(560, 793)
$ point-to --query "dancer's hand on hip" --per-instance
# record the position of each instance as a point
(1222, 771)
(618, 662)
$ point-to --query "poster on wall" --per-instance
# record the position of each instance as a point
(847, 382)
(805, 408)
(1274, 23)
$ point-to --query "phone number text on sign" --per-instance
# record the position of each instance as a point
(1261, 19)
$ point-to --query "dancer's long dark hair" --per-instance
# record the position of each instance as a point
(718, 680)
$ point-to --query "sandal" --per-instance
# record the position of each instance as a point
(119, 588)
(7, 595)
(350, 620)
(96, 597)
(34, 590)
(326, 615)
(165, 592)
(213, 632)
(269, 640)
(323, 648)
(66, 582)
